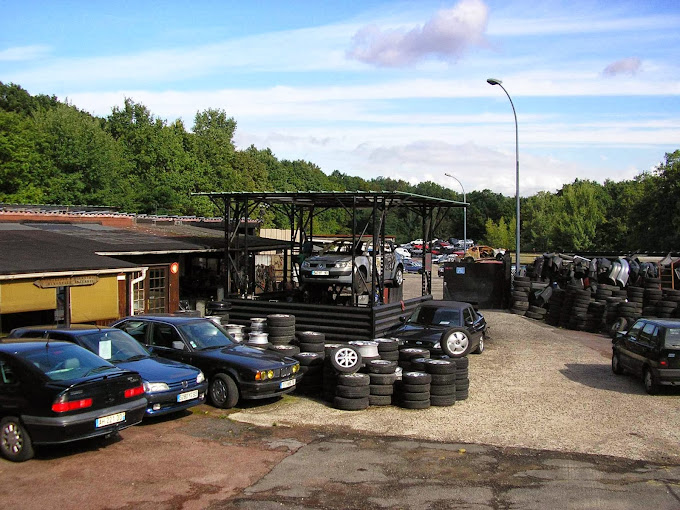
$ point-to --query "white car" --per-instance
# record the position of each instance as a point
(403, 252)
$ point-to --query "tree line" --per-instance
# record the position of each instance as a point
(51, 152)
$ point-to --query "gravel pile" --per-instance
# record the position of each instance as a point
(534, 386)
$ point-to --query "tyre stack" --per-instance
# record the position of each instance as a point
(330, 374)
(579, 310)
(536, 312)
(311, 370)
(311, 341)
(382, 375)
(413, 391)
(667, 306)
(595, 316)
(388, 348)
(443, 385)
(462, 378)
(406, 354)
(352, 392)
(567, 305)
(652, 295)
(519, 302)
(612, 310)
(630, 310)
(555, 307)
(281, 328)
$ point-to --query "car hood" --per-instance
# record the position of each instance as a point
(155, 369)
(412, 333)
(329, 258)
(247, 357)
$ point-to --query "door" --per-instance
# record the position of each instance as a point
(165, 339)
(632, 354)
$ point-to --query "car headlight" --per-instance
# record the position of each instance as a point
(200, 378)
(154, 387)
(437, 346)
(343, 264)
(263, 375)
(296, 368)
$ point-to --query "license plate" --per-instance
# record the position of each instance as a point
(287, 384)
(189, 395)
(109, 420)
(320, 273)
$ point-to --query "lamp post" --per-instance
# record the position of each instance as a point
(464, 212)
(493, 81)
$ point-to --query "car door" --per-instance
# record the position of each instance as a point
(12, 396)
(648, 341)
(473, 322)
(165, 340)
(632, 351)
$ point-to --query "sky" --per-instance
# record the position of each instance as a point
(380, 88)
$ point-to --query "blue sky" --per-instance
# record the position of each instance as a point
(377, 88)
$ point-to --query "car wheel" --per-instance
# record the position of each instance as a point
(398, 278)
(456, 342)
(480, 347)
(223, 391)
(345, 359)
(15, 443)
(616, 364)
(651, 386)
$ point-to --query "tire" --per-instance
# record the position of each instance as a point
(383, 379)
(15, 443)
(442, 390)
(223, 391)
(285, 350)
(352, 391)
(380, 400)
(355, 379)
(480, 347)
(419, 378)
(462, 363)
(415, 404)
(616, 364)
(442, 400)
(414, 388)
(440, 367)
(620, 324)
(281, 330)
(346, 359)
(461, 395)
(309, 347)
(381, 366)
(650, 382)
(381, 389)
(280, 320)
(398, 279)
(443, 379)
(415, 396)
(311, 337)
(456, 342)
(350, 404)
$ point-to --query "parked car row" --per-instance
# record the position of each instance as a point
(64, 384)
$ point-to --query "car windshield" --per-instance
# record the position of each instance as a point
(205, 334)
(64, 362)
(340, 248)
(672, 338)
(115, 346)
(430, 316)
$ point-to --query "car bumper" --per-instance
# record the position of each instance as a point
(256, 390)
(64, 429)
(168, 401)
(669, 377)
(344, 277)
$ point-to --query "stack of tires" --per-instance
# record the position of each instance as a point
(555, 307)
(388, 348)
(281, 328)
(519, 303)
(312, 350)
(407, 354)
(536, 312)
(443, 384)
(382, 374)
(579, 309)
(630, 310)
(595, 316)
(413, 391)
(352, 392)
(671, 302)
(462, 378)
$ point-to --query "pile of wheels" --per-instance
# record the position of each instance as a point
(519, 303)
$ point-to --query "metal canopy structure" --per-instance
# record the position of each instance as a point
(302, 206)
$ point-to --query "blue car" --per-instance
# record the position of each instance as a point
(169, 386)
(411, 266)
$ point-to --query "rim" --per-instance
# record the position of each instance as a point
(219, 391)
(12, 440)
(458, 342)
(648, 380)
(346, 357)
(615, 362)
(481, 344)
(400, 277)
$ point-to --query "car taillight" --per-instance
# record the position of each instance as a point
(663, 362)
(133, 392)
(61, 405)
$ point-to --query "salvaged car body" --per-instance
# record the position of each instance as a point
(343, 263)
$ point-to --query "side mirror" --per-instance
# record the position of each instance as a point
(176, 344)
(403, 319)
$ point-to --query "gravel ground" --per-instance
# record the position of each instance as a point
(535, 386)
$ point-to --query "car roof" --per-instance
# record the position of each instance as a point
(169, 318)
(442, 303)
(15, 345)
(666, 323)
(74, 329)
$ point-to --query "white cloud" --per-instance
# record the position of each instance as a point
(23, 53)
(630, 65)
(447, 36)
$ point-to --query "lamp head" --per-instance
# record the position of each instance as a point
(493, 81)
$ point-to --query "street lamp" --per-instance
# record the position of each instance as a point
(493, 81)
(464, 212)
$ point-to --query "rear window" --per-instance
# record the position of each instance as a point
(430, 316)
(63, 362)
(672, 340)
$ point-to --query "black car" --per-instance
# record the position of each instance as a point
(649, 349)
(57, 392)
(453, 327)
(169, 386)
(234, 370)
